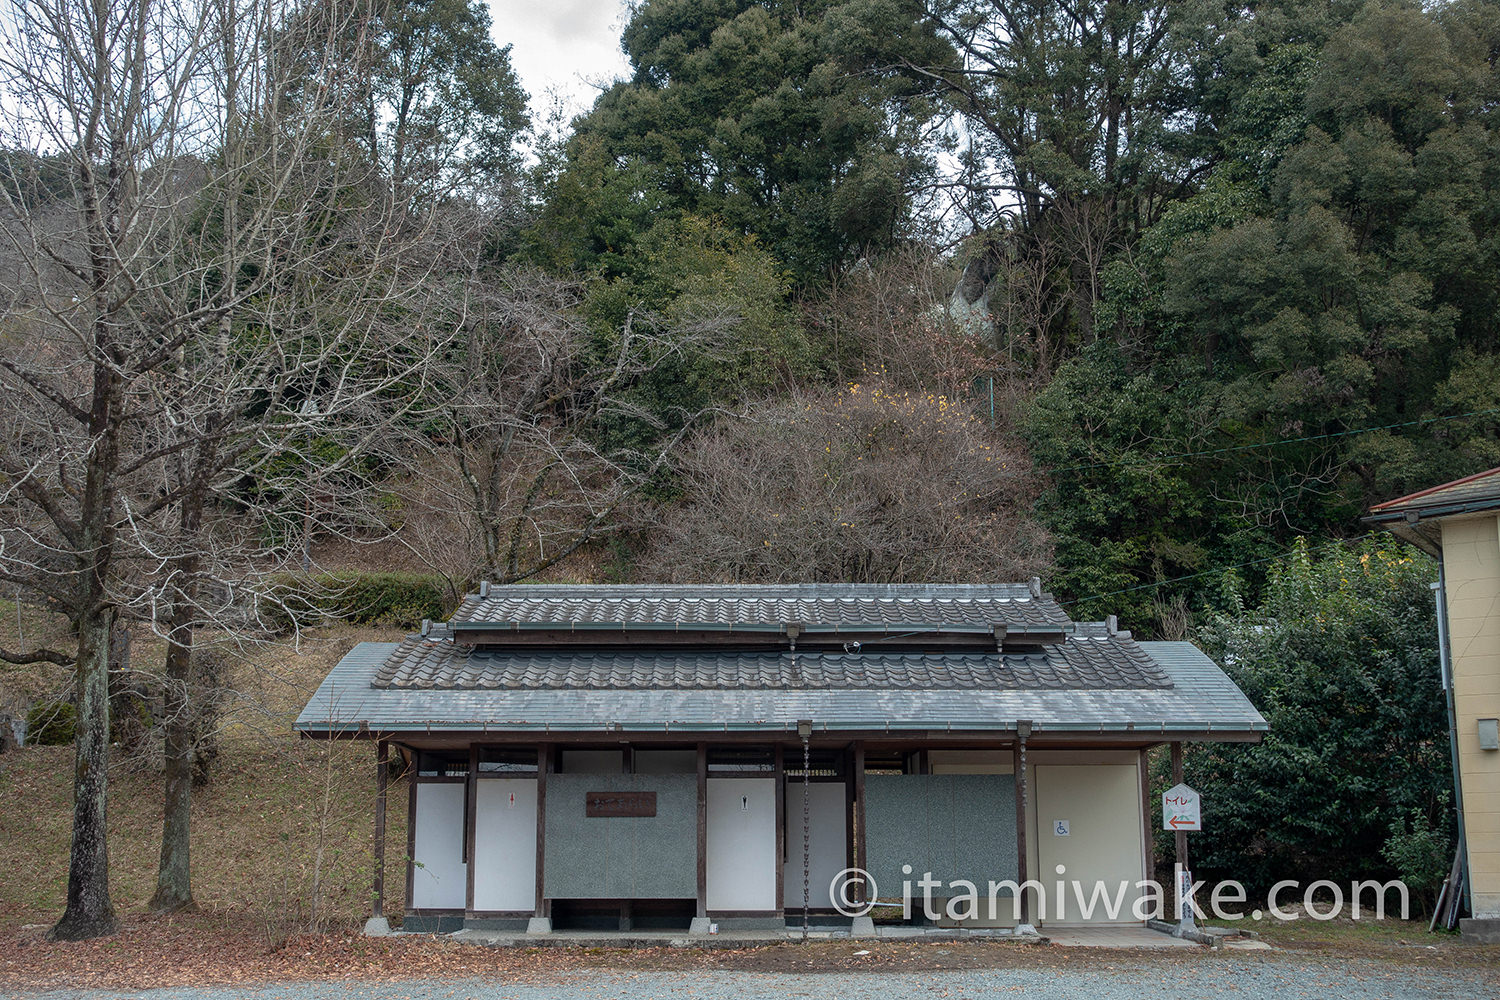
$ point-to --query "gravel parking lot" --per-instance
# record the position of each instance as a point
(1113, 978)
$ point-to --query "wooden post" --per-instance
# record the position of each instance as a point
(702, 910)
(411, 825)
(1182, 845)
(780, 829)
(1148, 839)
(471, 808)
(1023, 730)
(849, 852)
(382, 758)
(543, 765)
(860, 859)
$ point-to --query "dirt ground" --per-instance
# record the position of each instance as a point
(202, 949)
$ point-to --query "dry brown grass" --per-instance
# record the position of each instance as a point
(1370, 938)
(255, 826)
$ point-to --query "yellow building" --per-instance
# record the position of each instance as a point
(1459, 523)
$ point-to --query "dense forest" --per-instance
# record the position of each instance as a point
(1215, 277)
(1127, 295)
(1131, 295)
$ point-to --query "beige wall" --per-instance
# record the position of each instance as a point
(1471, 563)
(1099, 794)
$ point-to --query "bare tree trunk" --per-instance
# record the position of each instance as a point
(89, 913)
(174, 873)
(180, 226)
(174, 890)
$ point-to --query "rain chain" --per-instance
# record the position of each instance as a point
(806, 831)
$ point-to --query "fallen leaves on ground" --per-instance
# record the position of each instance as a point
(199, 950)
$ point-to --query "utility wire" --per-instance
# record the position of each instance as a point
(1179, 458)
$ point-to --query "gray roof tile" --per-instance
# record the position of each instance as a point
(1098, 663)
(1198, 696)
(719, 605)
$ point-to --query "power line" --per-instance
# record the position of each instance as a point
(1180, 458)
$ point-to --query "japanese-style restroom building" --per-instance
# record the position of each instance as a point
(675, 756)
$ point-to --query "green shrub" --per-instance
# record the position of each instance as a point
(51, 723)
(1341, 657)
(1420, 854)
(400, 600)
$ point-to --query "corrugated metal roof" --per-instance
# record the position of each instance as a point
(842, 605)
(1086, 664)
(1200, 697)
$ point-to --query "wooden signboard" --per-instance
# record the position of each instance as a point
(620, 804)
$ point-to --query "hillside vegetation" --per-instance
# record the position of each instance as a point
(273, 805)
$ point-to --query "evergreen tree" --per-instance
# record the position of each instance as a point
(792, 122)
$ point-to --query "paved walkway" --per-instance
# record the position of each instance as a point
(1114, 936)
(1120, 936)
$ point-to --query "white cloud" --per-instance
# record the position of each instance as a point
(571, 47)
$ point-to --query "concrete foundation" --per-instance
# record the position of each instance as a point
(539, 925)
(739, 939)
(727, 924)
(700, 926)
(510, 924)
(414, 923)
(1479, 930)
(377, 927)
(862, 927)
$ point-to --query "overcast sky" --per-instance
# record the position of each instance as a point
(567, 45)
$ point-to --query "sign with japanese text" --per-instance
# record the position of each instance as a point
(1180, 809)
(620, 804)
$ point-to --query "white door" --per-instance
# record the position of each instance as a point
(741, 869)
(1088, 819)
(828, 848)
(439, 876)
(505, 844)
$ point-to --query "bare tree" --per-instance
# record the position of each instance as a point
(216, 291)
(102, 88)
(867, 485)
(538, 443)
(1028, 294)
(891, 317)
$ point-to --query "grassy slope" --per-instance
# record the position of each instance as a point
(256, 826)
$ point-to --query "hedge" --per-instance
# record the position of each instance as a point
(399, 600)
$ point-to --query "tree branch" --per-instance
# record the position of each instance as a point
(37, 656)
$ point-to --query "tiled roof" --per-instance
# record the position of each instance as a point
(875, 606)
(1479, 490)
(1082, 664)
(1179, 689)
